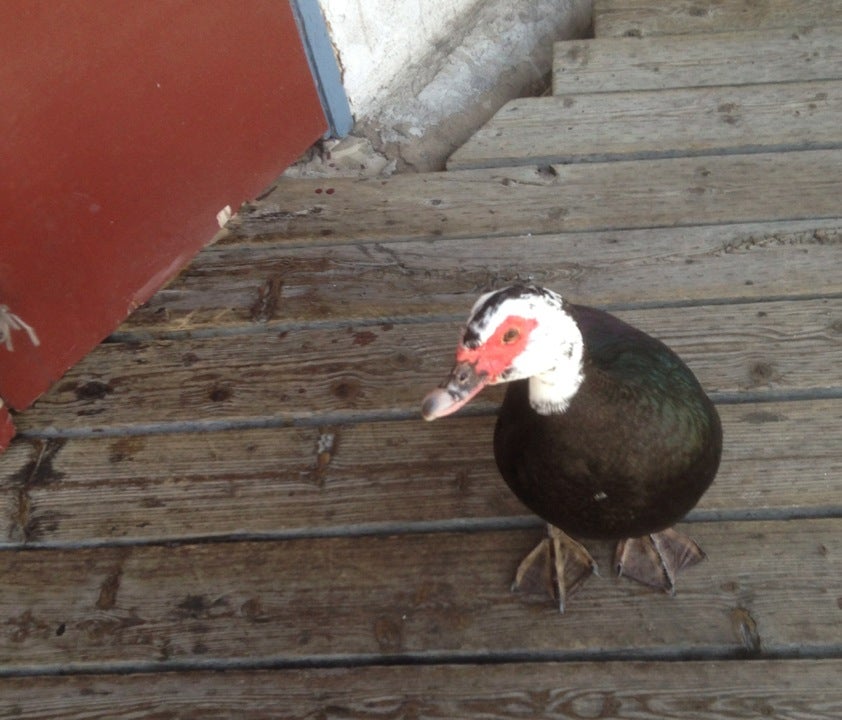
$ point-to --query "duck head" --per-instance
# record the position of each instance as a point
(519, 332)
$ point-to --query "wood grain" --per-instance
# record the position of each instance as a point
(641, 124)
(233, 509)
(548, 199)
(613, 64)
(765, 588)
(271, 284)
(778, 459)
(706, 690)
(644, 18)
(325, 375)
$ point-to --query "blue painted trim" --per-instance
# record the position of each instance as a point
(317, 45)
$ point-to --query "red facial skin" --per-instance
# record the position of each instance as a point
(477, 367)
(499, 351)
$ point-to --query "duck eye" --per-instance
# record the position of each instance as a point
(511, 335)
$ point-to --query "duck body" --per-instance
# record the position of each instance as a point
(603, 432)
(634, 450)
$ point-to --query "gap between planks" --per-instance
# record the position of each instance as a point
(478, 409)
(314, 376)
(419, 661)
(332, 480)
(438, 595)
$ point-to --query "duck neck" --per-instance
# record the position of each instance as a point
(551, 391)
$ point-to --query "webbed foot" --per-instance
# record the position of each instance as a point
(557, 567)
(656, 559)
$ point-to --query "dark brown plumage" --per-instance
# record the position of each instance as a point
(638, 445)
(604, 433)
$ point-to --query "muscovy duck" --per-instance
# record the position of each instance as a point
(603, 432)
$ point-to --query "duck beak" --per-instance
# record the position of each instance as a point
(457, 390)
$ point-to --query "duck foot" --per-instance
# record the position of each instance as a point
(656, 559)
(556, 567)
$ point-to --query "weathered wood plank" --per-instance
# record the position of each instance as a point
(560, 198)
(779, 458)
(328, 374)
(643, 18)
(707, 690)
(240, 287)
(641, 124)
(667, 61)
(765, 588)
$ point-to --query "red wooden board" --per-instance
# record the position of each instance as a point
(7, 428)
(125, 128)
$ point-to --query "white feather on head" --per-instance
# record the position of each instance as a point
(553, 355)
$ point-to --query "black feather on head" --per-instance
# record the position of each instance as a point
(488, 304)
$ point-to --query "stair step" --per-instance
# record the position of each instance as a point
(645, 124)
(670, 61)
(643, 18)
(560, 198)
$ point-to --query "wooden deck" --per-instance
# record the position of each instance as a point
(232, 509)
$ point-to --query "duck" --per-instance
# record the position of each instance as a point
(603, 432)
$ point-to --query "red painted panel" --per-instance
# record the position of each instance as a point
(7, 428)
(125, 128)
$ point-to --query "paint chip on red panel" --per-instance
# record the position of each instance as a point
(223, 216)
(7, 427)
